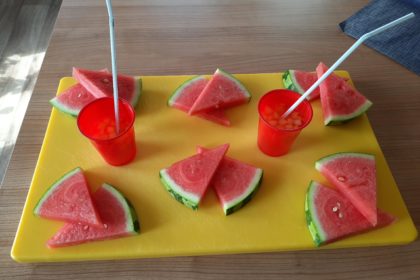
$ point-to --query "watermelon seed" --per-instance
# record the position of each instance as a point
(105, 80)
(105, 226)
(335, 209)
(86, 227)
(340, 215)
(341, 178)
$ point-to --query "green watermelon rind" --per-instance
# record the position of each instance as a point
(244, 90)
(53, 187)
(290, 82)
(339, 119)
(312, 220)
(138, 88)
(131, 219)
(174, 96)
(188, 199)
(136, 222)
(63, 108)
(240, 201)
(324, 160)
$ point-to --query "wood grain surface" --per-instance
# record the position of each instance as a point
(194, 37)
(26, 28)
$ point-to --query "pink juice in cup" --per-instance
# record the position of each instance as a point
(276, 135)
(96, 121)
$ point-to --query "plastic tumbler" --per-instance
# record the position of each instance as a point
(275, 135)
(96, 121)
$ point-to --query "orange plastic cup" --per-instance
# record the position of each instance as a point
(96, 121)
(272, 139)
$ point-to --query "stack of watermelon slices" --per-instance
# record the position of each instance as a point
(208, 99)
(350, 208)
(106, 214)
(93, 85)
(234, 182)
(340, 101)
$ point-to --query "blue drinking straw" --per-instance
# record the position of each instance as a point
(114, 65)
(344, 56)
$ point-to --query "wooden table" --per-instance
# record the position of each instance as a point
(186, 37)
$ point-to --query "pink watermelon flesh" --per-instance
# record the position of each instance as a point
(354, 175)
(99, 84)
(235, 183)
(69, 200)
(72, 100)
(340, 102)
(116, 216)
(331, 216)
(187, 180)
(300, 81)
(185, 96)
(222, 91)
(306, 80)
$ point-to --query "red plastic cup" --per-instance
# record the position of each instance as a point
(275, 140)
(96, 121)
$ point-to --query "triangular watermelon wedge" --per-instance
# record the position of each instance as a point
(186, 94)
(340, 102)
(118, 216)
(69, 200)
(99, 83)
(187, 180)
(72, 100)
(235, 183)
(354, 175)
(222, 91)
(331, 216)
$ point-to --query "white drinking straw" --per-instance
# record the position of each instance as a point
(114, 65)
(344, 56)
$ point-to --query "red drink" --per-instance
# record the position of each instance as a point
(276, 135)
(96, 121)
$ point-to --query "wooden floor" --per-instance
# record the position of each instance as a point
(25, 30)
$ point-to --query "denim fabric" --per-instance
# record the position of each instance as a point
(402, 42)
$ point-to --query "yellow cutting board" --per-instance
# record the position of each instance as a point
(274, 219)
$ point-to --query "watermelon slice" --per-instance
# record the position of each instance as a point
(340, 102)
(222, 91)
(354, 175)
(300, 81)
(118, 216)
(99, 84)
(187, 180)
(69, 200)
(72, 100)
(235, 183)
(185, 95)
(331, 216)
